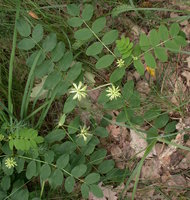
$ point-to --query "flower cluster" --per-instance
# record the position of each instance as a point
(84, 132)
(113, 92)
(120, 63)
(79, 91)
(10, 163)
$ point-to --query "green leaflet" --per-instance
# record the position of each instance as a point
(150, 61)
(87, 12)
(75, 21)
(139, 66)
(92, 178)
(96, 190)
(69, 184)
(23, 27)
(117, 74)
(26, 44)
(94, 49)
(163, 32)
(105, 61)
(50, 42)
(99, 24)
(37, 33)
(110, 37)
(83, 34)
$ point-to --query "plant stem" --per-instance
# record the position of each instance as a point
(42, 189)
(10, 104)
(101, 86)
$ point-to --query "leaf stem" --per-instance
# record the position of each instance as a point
(99, 39)
(101, 86)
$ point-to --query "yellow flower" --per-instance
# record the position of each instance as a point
(113, 92)
(79, 91)
(120, 63)
(10, 163)
(151, 71)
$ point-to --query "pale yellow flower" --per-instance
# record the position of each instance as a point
(84, 132)
(113, 92)
(10, 163)
(79, 91)
(120, 63)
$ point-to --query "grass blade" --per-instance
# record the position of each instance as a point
(137, 170)
(26, 91)
(10, 104)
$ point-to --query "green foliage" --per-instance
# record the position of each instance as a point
(154, 46)
(91, 33)
(124, 47)
(24, 139)
(69, 153)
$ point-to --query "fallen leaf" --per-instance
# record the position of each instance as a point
(139, 144)
(38, 87)
(143, 88)
(108, 192)
(114, 131)
(151, 169)
(186, 74)
(173, 15)
(179, 89)
(186, 30)
(33, 15)
(177, 180)
(185, 163)
(116, 152)
(166, 158)
(188, 62)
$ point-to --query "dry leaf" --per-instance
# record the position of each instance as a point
(151, 169)
(177, 180)
(173, 15)
(116, 152)
(139, 144)
(186, 30)
(179, 89)
(33, 15)
(143, 88)
(186, 74)
(185, 163)
(36, 90)
(188, 62)
(114, 131)
(108, 192)
(166, 157)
